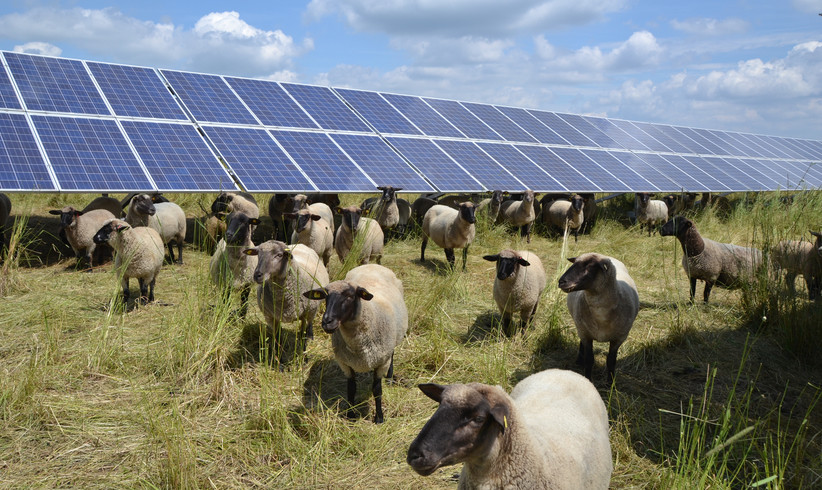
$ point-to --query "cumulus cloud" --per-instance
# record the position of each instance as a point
(38, 48)
(710, 27)
(638, 51)
(446, 51)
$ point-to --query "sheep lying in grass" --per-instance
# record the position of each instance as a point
(365, 314)
(450, 229)
(519, 214)
(724, 264)
(603, 302)
(80, 228)
(167, 218)
(520, 280)
(139, 253)
(356, 228)
(313, 231)
(649, 212)
(565, 215)
(229, 266)
(551, 432)
(800, 257)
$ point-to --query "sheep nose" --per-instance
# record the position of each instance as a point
(330, 324)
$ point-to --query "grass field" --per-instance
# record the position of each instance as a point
(173, 394)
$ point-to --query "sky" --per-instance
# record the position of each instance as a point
(738, 65)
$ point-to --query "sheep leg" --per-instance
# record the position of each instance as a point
(581, 355)
(588, 362)
(464, 257)
(707, 292)
(422, 250)
(244, 300)
(506, 324)
(390, 374)
(180, 252)
(143, 290)
(576, 234)
(693, 288)
(376, 389)
(352, 393)
(611, 360)
(528, 318)
(126, 292)
(151, 290)
(790, 280)
(449, 255)
(171, 252)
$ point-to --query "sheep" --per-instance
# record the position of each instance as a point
(519, 214)
(354, 226)
(301, 201)
(229, 267)
(386, 212)
(565, 215)
(520, 280)
(649, 211)
(166, 217)
(590, 211)
(277, 205)
(5, 211)
(454, 200)
(365, 314)
(313, 231)
(283, 273)
(419, 207)
(228, 202)
(490, 206)
(724, 264)
(79, 228)
(800, 257)
(156, 197)
(550, 432)
(105, 202)
(139, 253)
(450, 229)
(679, 203)
(603, 302)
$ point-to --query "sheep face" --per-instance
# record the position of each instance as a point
(350, 216)
(143, 204)
(497, 196)
(274, 257)
(103, 235)
(300, 202)
(239, 228)
(67, 215)
(643, 198)
(342, 302)
(303, 217)
(584, 273)
(507, 263)
(676, 226)
(576, 202)
(468, 212)
(388, 193)
(465, 424)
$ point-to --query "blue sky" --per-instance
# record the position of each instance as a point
(740, 65)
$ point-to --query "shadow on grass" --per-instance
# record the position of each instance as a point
(436, 266)
(255, 345)
(325, 387)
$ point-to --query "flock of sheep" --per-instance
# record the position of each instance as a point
(552, 430)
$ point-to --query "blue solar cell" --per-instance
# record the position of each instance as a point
(378, 112)
(647, 171)
(177, 157)
(439, 168)
(718, 174)
(589, 130)
(504, 126)
(381, 163)
(621, 174)
(564, 173)
(535, 128)
(324, 163)
(707, 145)
(423, 116)
(665, 135)
(462, 118)
(562, 128)
(681, 179)
(257, 160)
(90, 155)
(807, 147)
(747, 181)
(798, 148)
(716, 138)
(326, 108)
(55, 84)
(744, 148)
(709, 182)
(815, 147)
(8, 97)
(136, 92)
(208, 98)
(786, 174)
(763, 146)
(22, 167)
(615, 133)
(480, 166)
(640, 135)
(807, 175)
(529, 173)
(269, 102)
(771, 179)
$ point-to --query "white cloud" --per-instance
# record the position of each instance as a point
(38, 48)
(710, 27)
(638, 51)
(464, 50)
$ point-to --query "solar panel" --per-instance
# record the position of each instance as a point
(380, 162)
(681, 180)
(423, 116)
(709, 182)
(504, 126)
(535, 128)
(616, 134)
(22, 167)
(702, 144)
(665, 135)
(716, 173)
(326, 108)
(136, 92)
(618, 176)
(746, 148)
(530, 174)
(586, 128)
(324, 163)
(439, 168)
(462, 118)
(805, 174)
(647, 171)
(259, 163)
(482, 167)
(208, 98)
(8, 97)
(782, 173)
(565, 174)
(641, 136)
(378, 112)
(770, 180)
(562, 128)
(607, 175)
(798, 148)
(90, 155)
(813, 146)
(55, 84)
(177, 157)
(747, 182)
(270, 103)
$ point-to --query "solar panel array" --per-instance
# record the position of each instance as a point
(81, 126)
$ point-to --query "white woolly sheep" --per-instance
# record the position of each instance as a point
(301, 201)
(649, 212)
(520, 280)
(79, 228)
(450, 229)
(603, 302)
(230, 268)
(167, 218)
(726, 265)
(490, 206)
(365, 314)
(800, 257)
(386, 211)
(454, 200)
(313, 231)
(365, 232)
(138, 253)
(5, 211)
(519, 214)
(565, 215)
(551, 432)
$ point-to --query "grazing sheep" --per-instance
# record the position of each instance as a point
(139, 253)
(5, 211)
(301, 201)
(80, 228)
(490, 206)
(166, 217)
(277, 205)
(519, 283)
(229, 266)
(519, 214)
(565, 215)
(105, 202)
(800, 257)
(155, 198)
(354, 226)
(679, 203)
(283, 274)
(454, 200)
(450, 229)
(228, 202)
(649, 212)
(590, 212)
(551, 432)
(386, 211)
(419, 207)
(603, 302)
(724, 264)
(365, 314)
(312, 231)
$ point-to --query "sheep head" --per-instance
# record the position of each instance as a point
(342, 302)
(586, 271)
(508, 261)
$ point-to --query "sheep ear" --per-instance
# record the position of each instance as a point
(253, 221)
(816, 234)
(432, 391)
(397, 189)
(366, 212)
(119, 228)
(501, 415)
(251, 251)
(315, 294)
(338, 210)
(523, 262)
(572, 259)
(363, 293)
(55, 211)
(491, 258)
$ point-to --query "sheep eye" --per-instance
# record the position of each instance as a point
(479, 419)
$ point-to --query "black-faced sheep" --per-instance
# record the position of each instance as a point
(489, 207)
(726, 265)
(365, 314)
(80, 228)
(800, 257)
(603, 302)
(551, 432)
(228, 202)
(360, 233)
(139, 253)
(649, 212)
(520, 280)
(565, 215)
(301, 201)
(313, 231)
(167, 218)
(450, 229)
(229, 266)
(156, 197)
(520, 214)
